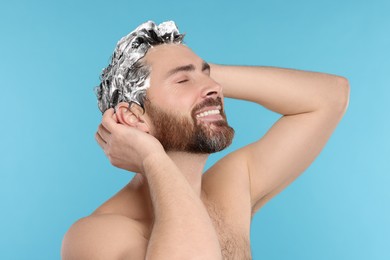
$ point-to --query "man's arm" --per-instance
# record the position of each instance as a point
(182, 227)
(311, 103)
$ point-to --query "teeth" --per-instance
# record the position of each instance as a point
(206, 113)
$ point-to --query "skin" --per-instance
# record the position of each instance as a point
(171, 196)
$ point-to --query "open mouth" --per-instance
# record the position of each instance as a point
(211, 113)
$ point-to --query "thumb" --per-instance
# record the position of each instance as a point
(107, 120)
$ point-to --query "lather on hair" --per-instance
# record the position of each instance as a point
(126, 78)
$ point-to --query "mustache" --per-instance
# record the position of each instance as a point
(207, 103)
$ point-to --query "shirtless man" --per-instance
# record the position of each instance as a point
(162, 123)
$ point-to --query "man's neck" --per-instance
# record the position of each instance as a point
(190, 165)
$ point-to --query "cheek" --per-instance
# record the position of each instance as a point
(180, 99)
(182, 103)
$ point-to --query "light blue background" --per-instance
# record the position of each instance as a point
(53, 172)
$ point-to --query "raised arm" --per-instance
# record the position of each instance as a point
(182, 227)
(312, 104)
(284, 91)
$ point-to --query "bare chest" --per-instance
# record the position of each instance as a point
(233, 238)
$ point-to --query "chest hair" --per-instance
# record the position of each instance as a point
(234, 244)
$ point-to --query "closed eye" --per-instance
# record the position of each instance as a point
(182, 81)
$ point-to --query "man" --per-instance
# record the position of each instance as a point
(163, 115)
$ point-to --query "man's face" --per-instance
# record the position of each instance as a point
(184, 104)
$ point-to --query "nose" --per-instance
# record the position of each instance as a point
(211, 88)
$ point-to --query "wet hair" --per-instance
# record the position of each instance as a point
(126, 78)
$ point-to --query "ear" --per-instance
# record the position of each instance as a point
(131, 115)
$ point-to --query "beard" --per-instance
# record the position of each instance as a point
(177, 132)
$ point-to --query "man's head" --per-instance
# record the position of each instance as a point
(125, 79)
(183, 105)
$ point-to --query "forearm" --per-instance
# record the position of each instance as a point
(285, 91)
(182, 227)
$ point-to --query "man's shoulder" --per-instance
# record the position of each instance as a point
(104, 236)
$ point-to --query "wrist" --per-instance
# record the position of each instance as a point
(153, 161)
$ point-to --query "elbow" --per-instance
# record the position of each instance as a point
(340, 96)
(345, 93)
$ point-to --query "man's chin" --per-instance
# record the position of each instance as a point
(216, 139)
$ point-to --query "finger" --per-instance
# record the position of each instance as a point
(103, 133)
(100, 141)
(115, 118)
(107, 121)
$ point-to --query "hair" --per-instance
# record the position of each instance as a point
(126, 78)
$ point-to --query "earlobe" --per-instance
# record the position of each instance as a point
(131, 116)
(143, 127)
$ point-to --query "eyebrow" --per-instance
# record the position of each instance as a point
(189, 67)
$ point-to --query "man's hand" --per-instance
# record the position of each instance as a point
(126, 147)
